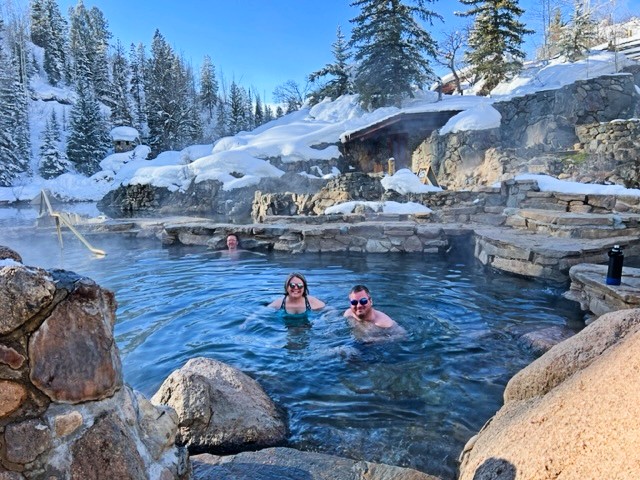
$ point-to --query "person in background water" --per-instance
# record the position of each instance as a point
(233, 242)
(296, 296)
(362, 311)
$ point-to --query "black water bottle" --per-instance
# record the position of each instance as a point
(614, 272)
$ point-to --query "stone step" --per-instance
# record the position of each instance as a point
(541, 256)
(575, 224)
(588, 287)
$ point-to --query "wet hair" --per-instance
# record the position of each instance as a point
(233, 235)
(301, 277)
(360, 288)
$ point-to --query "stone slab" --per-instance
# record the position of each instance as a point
(588, 287)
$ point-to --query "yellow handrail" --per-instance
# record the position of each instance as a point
(60, 217)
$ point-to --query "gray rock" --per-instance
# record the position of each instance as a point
(291, 464)
(220, 409)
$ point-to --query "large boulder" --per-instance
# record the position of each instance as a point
(221, 410)
(571, 414)
(64, 410)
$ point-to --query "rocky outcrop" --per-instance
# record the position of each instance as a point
(343, 188)
(571, 413)
(206, 198)
(64, 411)
(220, 409)
(287, 463)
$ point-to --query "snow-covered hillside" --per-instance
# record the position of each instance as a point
(291, 137)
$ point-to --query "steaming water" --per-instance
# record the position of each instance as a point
(410, 403)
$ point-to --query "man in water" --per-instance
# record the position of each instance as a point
(232, 241)
(363, 316)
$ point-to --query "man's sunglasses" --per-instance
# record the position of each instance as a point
(363, 301)
(296, 285)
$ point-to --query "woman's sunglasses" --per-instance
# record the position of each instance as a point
(363, 301)
(296, 285)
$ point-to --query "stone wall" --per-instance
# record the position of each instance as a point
(64, 411)
(538, 134)
(335, 233)
(483, 203)
(617, 146)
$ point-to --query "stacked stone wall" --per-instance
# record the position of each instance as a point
(536, 134)
(616, 145)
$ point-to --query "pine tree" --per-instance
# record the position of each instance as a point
(579, 34)
(250, 121)
(208, 87)
(121, 109)
(222, 124)
(39, 23)
(258, 113)
(14, 126)
(390, 48)
(190, 126)
(237, 118)
(495, 39)
(172, 111)
(88, 141)
(268, 113)
(53, 161)
(89, 43)
(341, 83)
(48, 28)
(137, 61)
(100, 62)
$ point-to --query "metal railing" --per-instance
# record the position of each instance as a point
(63, 218)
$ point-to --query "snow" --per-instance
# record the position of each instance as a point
(380, 207)
(551, 184)
(480, 117)
(405, 181)
(244, 159)
(128, 134)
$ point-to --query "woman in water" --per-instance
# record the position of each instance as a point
(296, 296)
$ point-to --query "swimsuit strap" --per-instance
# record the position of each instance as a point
(307, 305)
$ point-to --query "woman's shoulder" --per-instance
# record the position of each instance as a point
(315, 303)
(277, 303)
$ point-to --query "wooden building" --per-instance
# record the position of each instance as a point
(369, 148)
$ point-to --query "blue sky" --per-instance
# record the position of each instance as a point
(263, 43)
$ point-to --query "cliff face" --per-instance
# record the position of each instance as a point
(64, 410)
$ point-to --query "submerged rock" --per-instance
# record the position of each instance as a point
(288, 463)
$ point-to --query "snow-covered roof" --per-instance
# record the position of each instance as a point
(128, 134)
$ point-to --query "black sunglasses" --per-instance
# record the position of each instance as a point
(363, 301)
(296, 285)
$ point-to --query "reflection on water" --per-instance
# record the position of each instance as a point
(411, 403)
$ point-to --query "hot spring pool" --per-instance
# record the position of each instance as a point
(411, 403)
